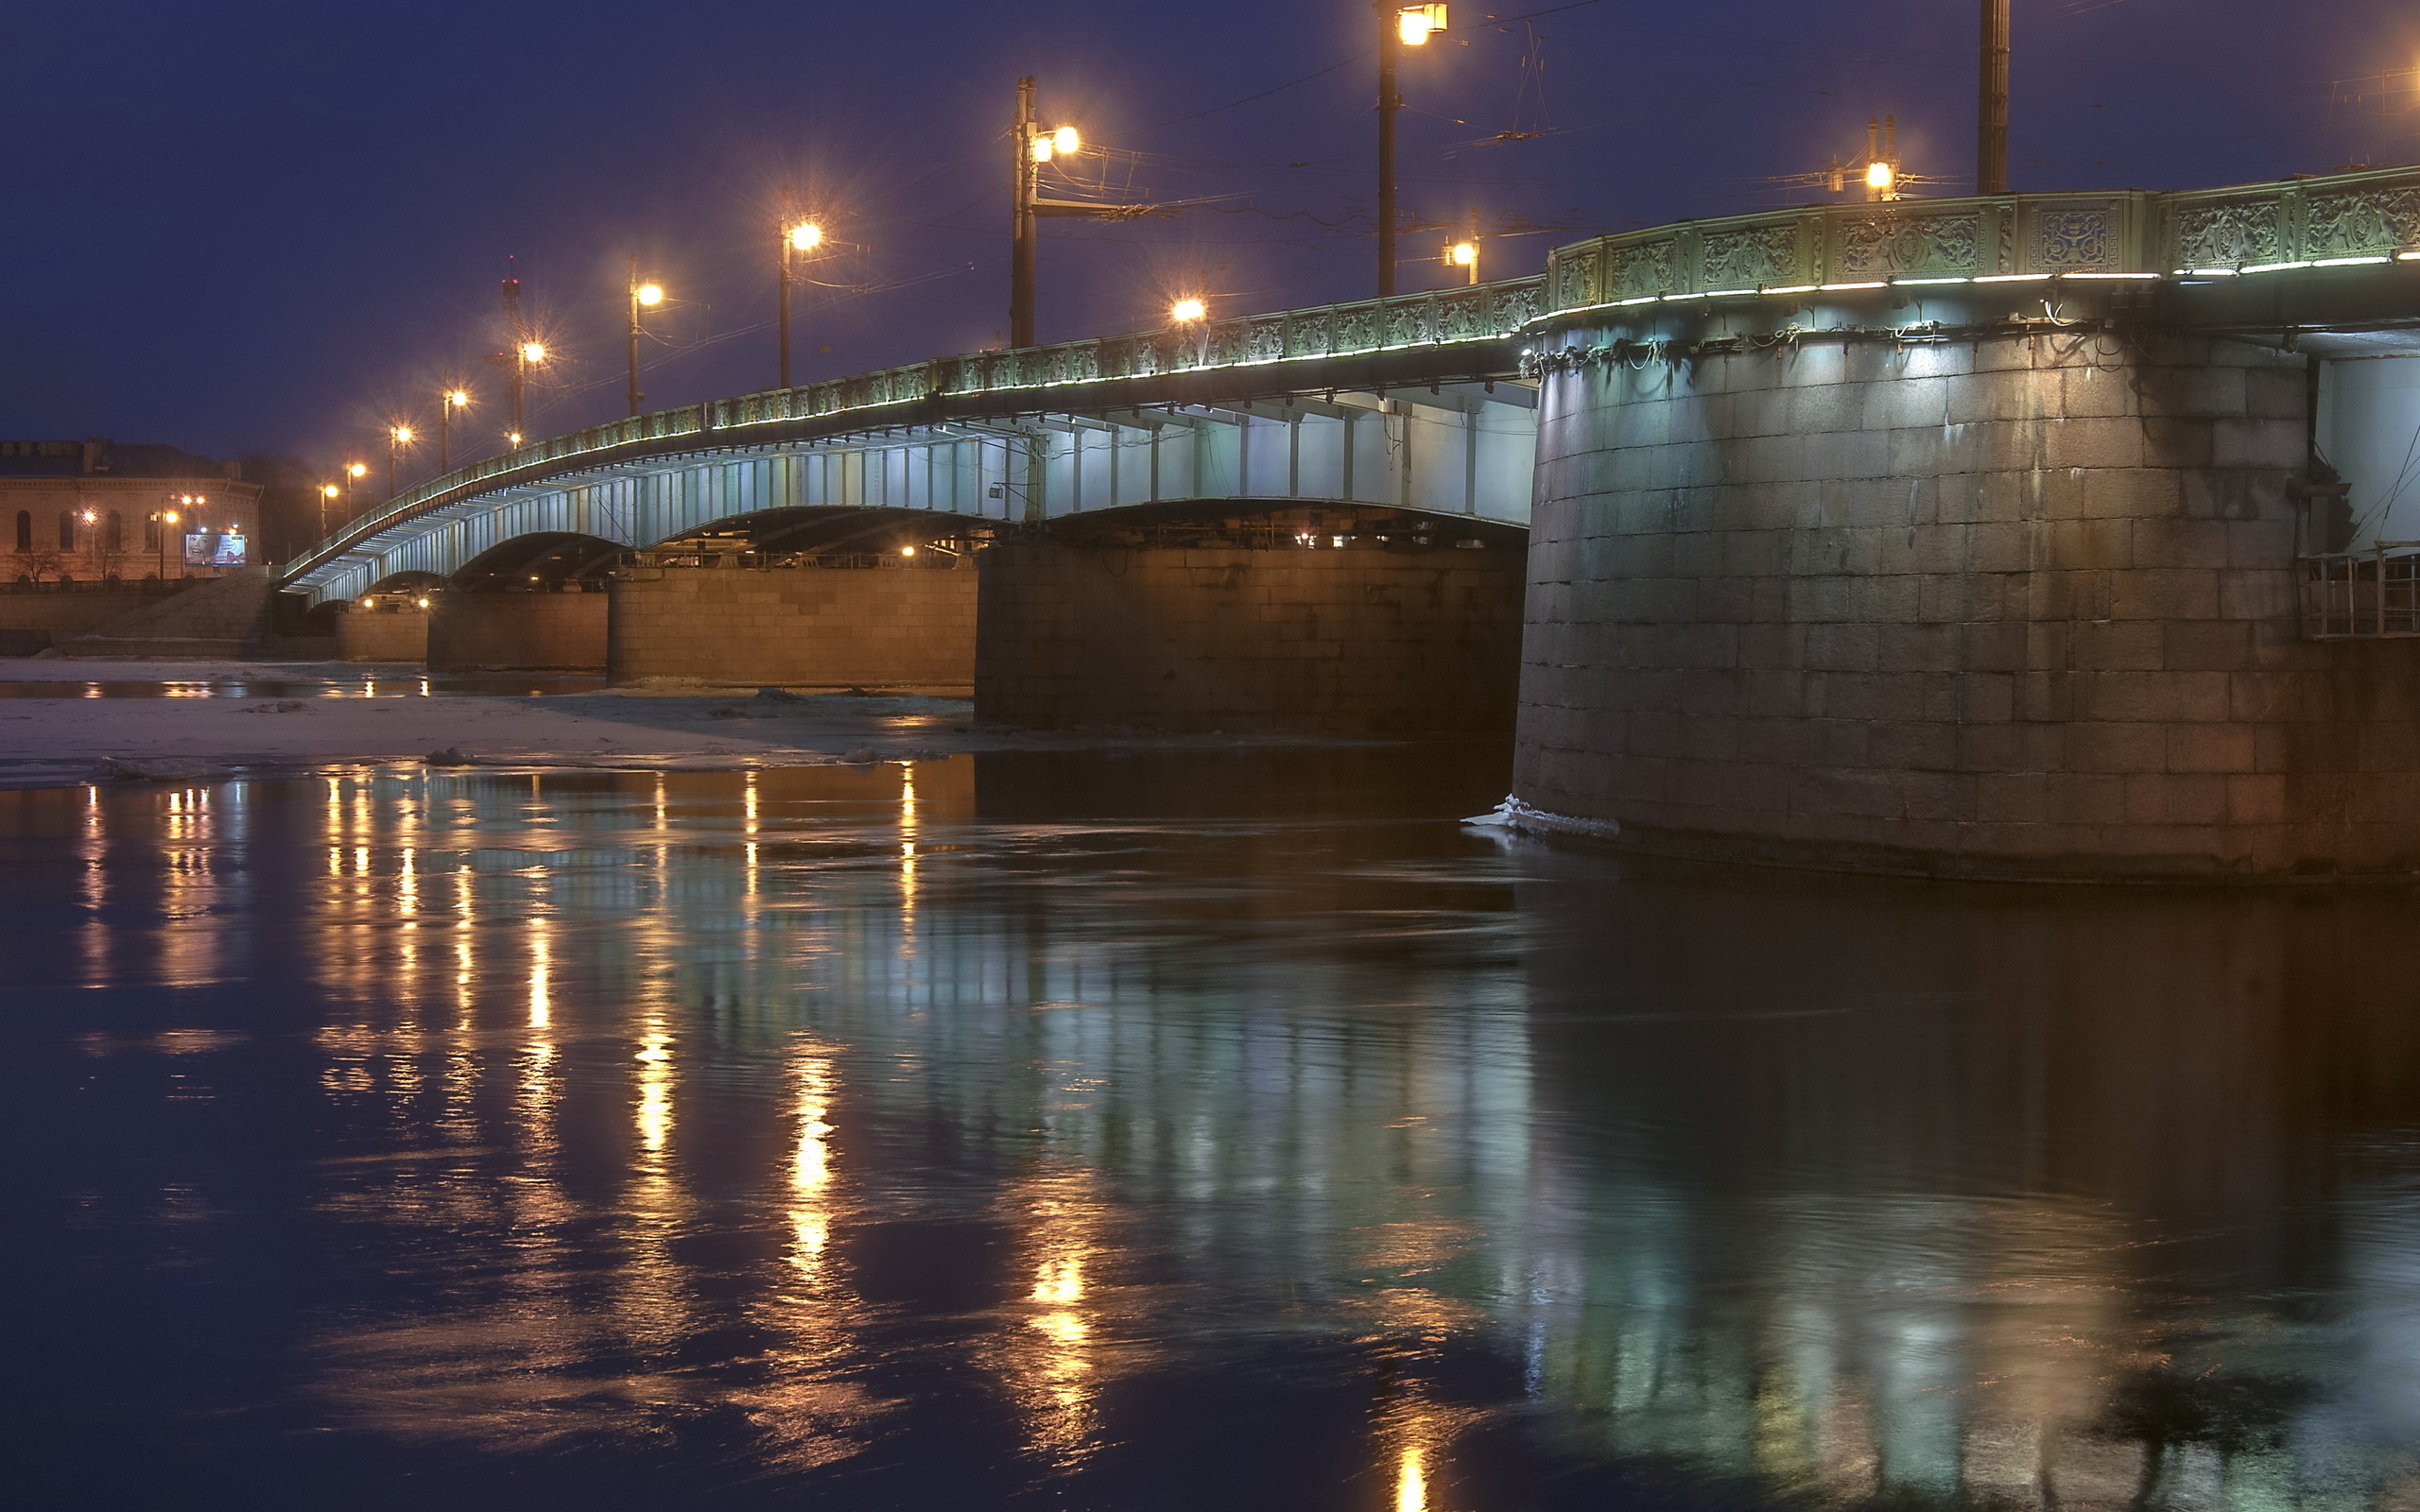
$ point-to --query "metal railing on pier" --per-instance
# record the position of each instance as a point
(2365, 595)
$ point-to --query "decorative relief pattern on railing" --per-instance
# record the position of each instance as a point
(1640, 268)
(2363, 222)
(1896, 243)
(2223, 235)
(2076, 238)
(1750, 256)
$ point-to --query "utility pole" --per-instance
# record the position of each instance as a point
(1021, 229)
(516, 362)
(796, 237)
(1033, 147)
(635, 395)
(1389, 49)
(789, 217)
(1991, 146)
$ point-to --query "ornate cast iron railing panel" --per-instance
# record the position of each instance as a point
(2368, 217)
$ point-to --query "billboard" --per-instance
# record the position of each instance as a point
(212, 548)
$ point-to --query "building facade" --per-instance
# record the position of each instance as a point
(92, 511)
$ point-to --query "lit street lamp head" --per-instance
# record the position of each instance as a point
(1414, 22)
(806, 236)
(327, 491)
(1184, 312)
(1065, 139)
(458, 399)
(357, 469)
(1878, 176)
(533, 352)
(514, 436)
(402, 436)
(648, 294)
(1463, 254)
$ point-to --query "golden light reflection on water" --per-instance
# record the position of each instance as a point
(1049, 1355)
(640, 1048)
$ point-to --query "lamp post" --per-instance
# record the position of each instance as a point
(398, 436)
(162, 520)
(452, 400)
(354, 473)
(642, 296)
(797, 236)
(1399, 26)
(1033, 147)
(1990, 127)
(327, 491)
(525, 356)
(1192, 311)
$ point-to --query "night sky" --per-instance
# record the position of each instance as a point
(247, 225)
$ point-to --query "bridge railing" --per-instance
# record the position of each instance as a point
(2366, 216)
(1481, 312)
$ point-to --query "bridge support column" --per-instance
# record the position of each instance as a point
(2011, 606)
(1351, 641)
(896, 627)
(384, 634)
(522, 632)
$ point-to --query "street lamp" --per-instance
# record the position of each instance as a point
(1409, 27)
(161, 521)
(327, 491)
(354, 473)
(1033, 147)
(398, 436)
(1194, 311)
(452, 400)
(1882, 158)
(646, 296)
(526, 355)
(797, 236)
(1464, 255)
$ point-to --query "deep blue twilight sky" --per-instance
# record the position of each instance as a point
(264, 224)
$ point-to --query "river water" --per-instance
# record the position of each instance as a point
(1173, 1130)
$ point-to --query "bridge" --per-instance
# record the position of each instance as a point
(1968, 535)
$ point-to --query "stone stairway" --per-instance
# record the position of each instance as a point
(224, 620)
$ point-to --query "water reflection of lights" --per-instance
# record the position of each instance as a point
(1051, 1359)
(655, 1088)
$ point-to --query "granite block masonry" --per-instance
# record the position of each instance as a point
(899, 627)
(1238, 639)
(525, 632)
(2018, 605)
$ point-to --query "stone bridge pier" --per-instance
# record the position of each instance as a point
(523, 632)
(2022, 603)
(1342, 620)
